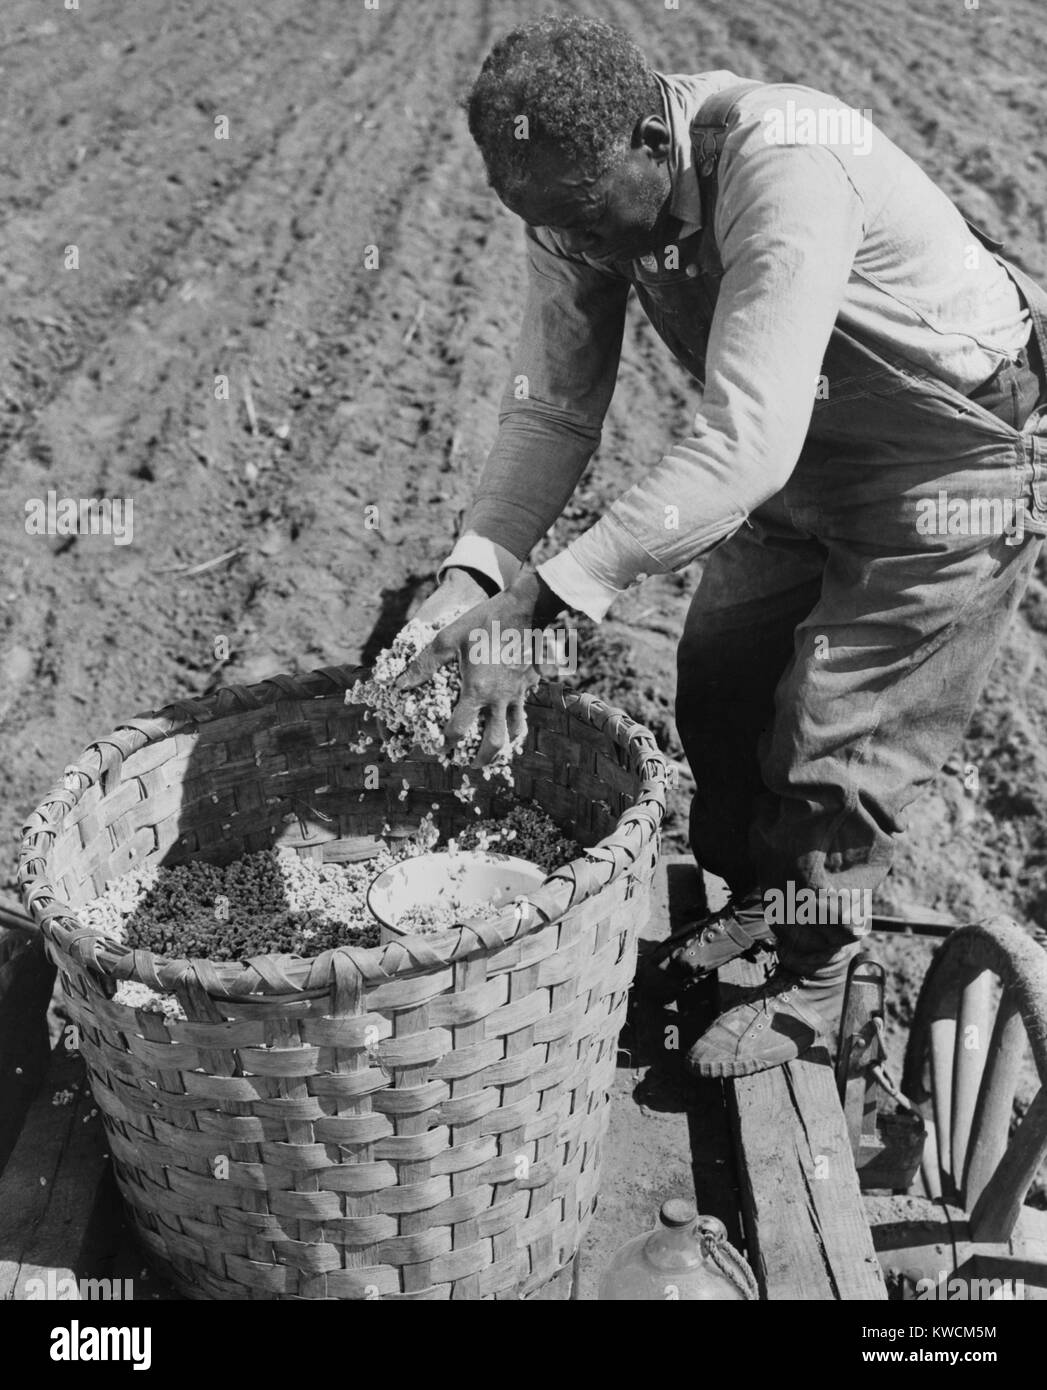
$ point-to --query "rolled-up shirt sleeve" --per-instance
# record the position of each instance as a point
(788, 225)
(561, 382)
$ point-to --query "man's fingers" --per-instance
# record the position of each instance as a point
(516, 721)
(460, 722)
(425, 665)
(494, 736)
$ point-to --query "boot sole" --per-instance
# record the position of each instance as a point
(729, 1071)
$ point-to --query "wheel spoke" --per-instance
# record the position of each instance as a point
(943, 1046)
(971, 1049)
(929, 1168)
(996, 1213)
(992, 1116)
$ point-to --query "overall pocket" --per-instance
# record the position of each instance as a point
(678, 288)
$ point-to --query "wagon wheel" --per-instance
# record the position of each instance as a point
(983, 1003)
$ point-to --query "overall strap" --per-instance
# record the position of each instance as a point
(710, 126)
(708, 131)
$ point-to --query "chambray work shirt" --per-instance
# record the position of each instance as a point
(819, 220)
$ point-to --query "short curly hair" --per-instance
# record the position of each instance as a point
(581, 84)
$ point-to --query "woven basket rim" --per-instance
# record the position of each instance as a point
(276, 974)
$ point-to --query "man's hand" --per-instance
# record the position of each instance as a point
(456, 592)
(493, 683)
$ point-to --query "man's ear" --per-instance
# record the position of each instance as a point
(652, 134)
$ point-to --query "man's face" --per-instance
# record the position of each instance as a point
(616, 216)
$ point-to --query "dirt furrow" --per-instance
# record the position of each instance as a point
(192, 180)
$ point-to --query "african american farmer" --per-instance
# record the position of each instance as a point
(864, 486)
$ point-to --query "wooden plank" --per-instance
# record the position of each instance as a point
(808, 1237)
(50, 1216)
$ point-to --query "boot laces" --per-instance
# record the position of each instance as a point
(774, 993)
(745, 910)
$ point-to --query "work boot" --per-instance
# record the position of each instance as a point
(703, 946)
(774, 1023)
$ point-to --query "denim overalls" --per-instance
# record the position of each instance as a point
(837, 644)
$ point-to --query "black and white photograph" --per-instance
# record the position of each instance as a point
(523, 670)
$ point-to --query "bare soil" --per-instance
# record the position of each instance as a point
(354, 388)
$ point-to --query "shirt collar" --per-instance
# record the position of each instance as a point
(682, 98)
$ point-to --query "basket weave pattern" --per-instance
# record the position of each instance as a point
(421, 1119)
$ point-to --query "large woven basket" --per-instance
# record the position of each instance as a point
(423, 1119)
